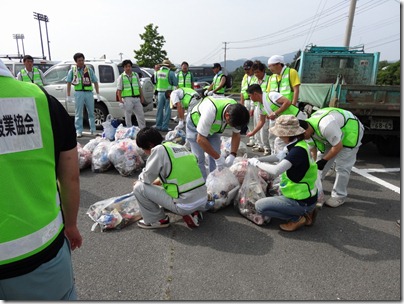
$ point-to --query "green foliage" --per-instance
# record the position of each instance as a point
(389, 74)
(151, 51)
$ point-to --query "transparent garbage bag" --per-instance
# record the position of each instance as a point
(124, 155)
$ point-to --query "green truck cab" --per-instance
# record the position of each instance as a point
(345, 77)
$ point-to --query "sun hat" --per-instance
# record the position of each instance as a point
(287, 125)
(276, 59)
(167, 63)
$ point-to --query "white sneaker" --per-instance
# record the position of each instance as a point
(250, 144)
(335, 202)
(266, 151)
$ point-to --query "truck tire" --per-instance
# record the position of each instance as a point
(388, 146)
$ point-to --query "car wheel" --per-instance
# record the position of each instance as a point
(100, 114)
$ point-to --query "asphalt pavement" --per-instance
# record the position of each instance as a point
(351, 253)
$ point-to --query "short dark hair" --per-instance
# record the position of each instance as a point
(126, 61)
(77, 56)
(239, 115)
(258, 65)
(254, 88)
(148, 138)
(184, 62)
(27, 57)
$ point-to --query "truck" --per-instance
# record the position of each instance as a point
(345, 77)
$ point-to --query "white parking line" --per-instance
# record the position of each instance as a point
(365, 173)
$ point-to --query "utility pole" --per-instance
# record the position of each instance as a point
(120, 55)
(225, 50)
(349, 25)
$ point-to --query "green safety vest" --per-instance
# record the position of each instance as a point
(220, 104)
(185, 174)
(162, 80)
(291, 110)
(84, 84)
(216, 83)
(350, 129)
(283, 86)
(36, 76)
(305, 188)
(188, 95)
(31, 218)
(184, 80)
(245, 84)
(130, 87)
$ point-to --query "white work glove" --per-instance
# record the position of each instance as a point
(253, 161)
(98, 98)
(69, 99)
(121, 105)
(180, 124)
(220, 163)
(206, 93)
(210, 93)
(229, 160)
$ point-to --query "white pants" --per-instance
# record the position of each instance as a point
(133, 104)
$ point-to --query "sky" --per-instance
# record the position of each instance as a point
(199, 32)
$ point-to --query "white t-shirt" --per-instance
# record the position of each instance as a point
(274, 96)
(208, 116)
(330, 127)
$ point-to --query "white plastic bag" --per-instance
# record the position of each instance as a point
(320, 193)
(124, 156)
(109, 130)
(115, 212)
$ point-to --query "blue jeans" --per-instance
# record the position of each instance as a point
(196, 149)
(282, 207)
(84, 98)
(163, 111)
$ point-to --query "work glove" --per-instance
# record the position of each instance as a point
(321, 164)
(253, 161)
(180, 124)
(98, 98)
(210, 93)
(229, 160)
(69, 99)
(220, 163)
(121, 105)
(206, 93)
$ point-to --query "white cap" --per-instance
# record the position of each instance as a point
(276, 59)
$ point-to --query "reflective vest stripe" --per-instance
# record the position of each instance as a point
(32, 242)
(130, 87)
(184, 82)
(291, 110)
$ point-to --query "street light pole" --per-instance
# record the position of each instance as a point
(41, 17)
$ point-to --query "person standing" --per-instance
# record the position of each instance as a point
(283, 80)
(273, 105)
(218, 85)
(82, 78)
(248, 79)
(298, 170)
(184, 77)
(337, 135)
(130, 95)
(262, 79)
(170, 180)
(182, 99)
(40, 194)
(30, 73)
(166, 80)
(205, 123)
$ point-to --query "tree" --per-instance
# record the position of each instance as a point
(151, 51)
(389, 74)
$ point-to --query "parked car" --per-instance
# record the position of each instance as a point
(107, 73)
(16, 65)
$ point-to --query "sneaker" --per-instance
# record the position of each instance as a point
(163, 223)
(267, 151)
(292, 226)
(311, 217)
(258, 149)
(79, 135)
(250, 144)
(191, 220)
(335, 202)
